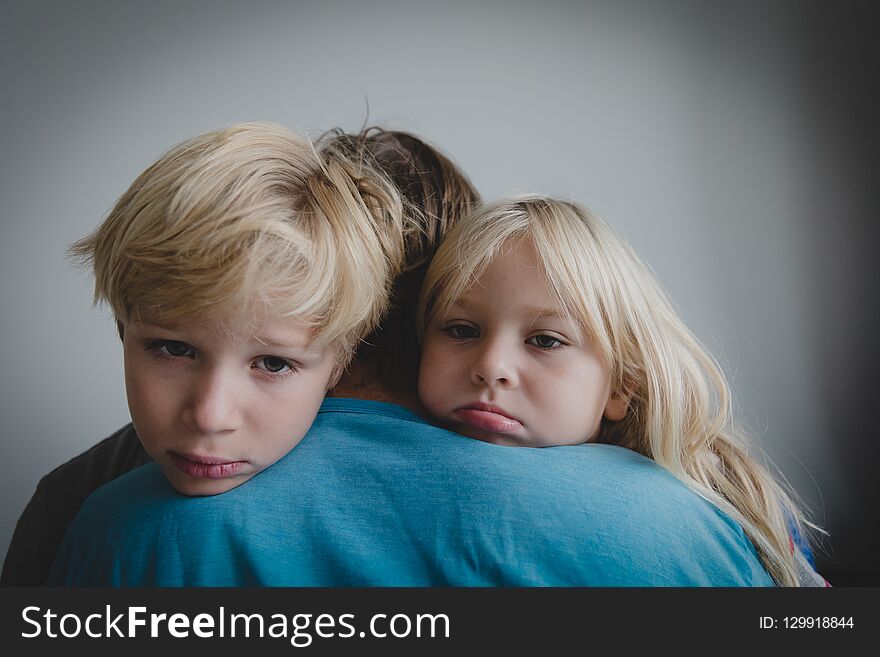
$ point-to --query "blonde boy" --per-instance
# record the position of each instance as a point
(242, 268)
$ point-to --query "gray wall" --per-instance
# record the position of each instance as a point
(731, 143)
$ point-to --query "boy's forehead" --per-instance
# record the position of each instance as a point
(267, 330)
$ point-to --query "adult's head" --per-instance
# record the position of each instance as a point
(436, 194)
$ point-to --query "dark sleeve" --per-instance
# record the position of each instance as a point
(58, 497)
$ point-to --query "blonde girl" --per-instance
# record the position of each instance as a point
(541, 327)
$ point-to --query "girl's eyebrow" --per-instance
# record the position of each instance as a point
(542, 313)
(535, 312)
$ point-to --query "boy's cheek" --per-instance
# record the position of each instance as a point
(150, 404)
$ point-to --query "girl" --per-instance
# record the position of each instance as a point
(540, 327)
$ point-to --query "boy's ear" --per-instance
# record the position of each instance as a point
(121, 330)
(617, 405)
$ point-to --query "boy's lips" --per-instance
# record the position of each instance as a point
(487, 417)
(205, 467)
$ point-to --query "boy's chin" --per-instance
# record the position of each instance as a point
(198, 487)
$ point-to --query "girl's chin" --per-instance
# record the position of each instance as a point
(495, 438)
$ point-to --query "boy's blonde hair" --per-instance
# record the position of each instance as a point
(252, 219)
(679, 412)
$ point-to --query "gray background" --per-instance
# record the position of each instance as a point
(733, 144)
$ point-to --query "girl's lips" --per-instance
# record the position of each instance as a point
(205, 468)
(481, 417)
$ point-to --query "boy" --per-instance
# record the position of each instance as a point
(242, 269)
(436, 193)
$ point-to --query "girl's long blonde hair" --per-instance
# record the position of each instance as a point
(679, 412)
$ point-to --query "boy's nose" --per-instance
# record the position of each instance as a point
(212, 406)
(494, 365)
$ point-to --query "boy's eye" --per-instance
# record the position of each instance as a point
(274, 364)
(173, 348)
(461, 332)
(544, 341)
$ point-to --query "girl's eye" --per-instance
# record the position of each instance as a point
(172, 348)
(461, 332)
(274, 364)
(545, 341)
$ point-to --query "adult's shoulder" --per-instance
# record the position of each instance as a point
(588, 514)
(56, 500)
(125, 511)
(115, 455)
(375, 496)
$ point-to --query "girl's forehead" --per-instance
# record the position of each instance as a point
(546, 306)
(517, 274)
(515, 284)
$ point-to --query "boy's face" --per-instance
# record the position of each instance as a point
(505, 366)
(214, 406)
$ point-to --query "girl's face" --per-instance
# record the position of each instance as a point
(503, 365)
(214, 407)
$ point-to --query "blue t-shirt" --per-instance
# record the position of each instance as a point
(375, 496)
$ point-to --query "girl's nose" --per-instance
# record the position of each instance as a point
(494, 365)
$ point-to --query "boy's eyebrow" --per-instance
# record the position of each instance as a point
(278, 337)
(272, 341)
(164, 327)
(266, 340)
